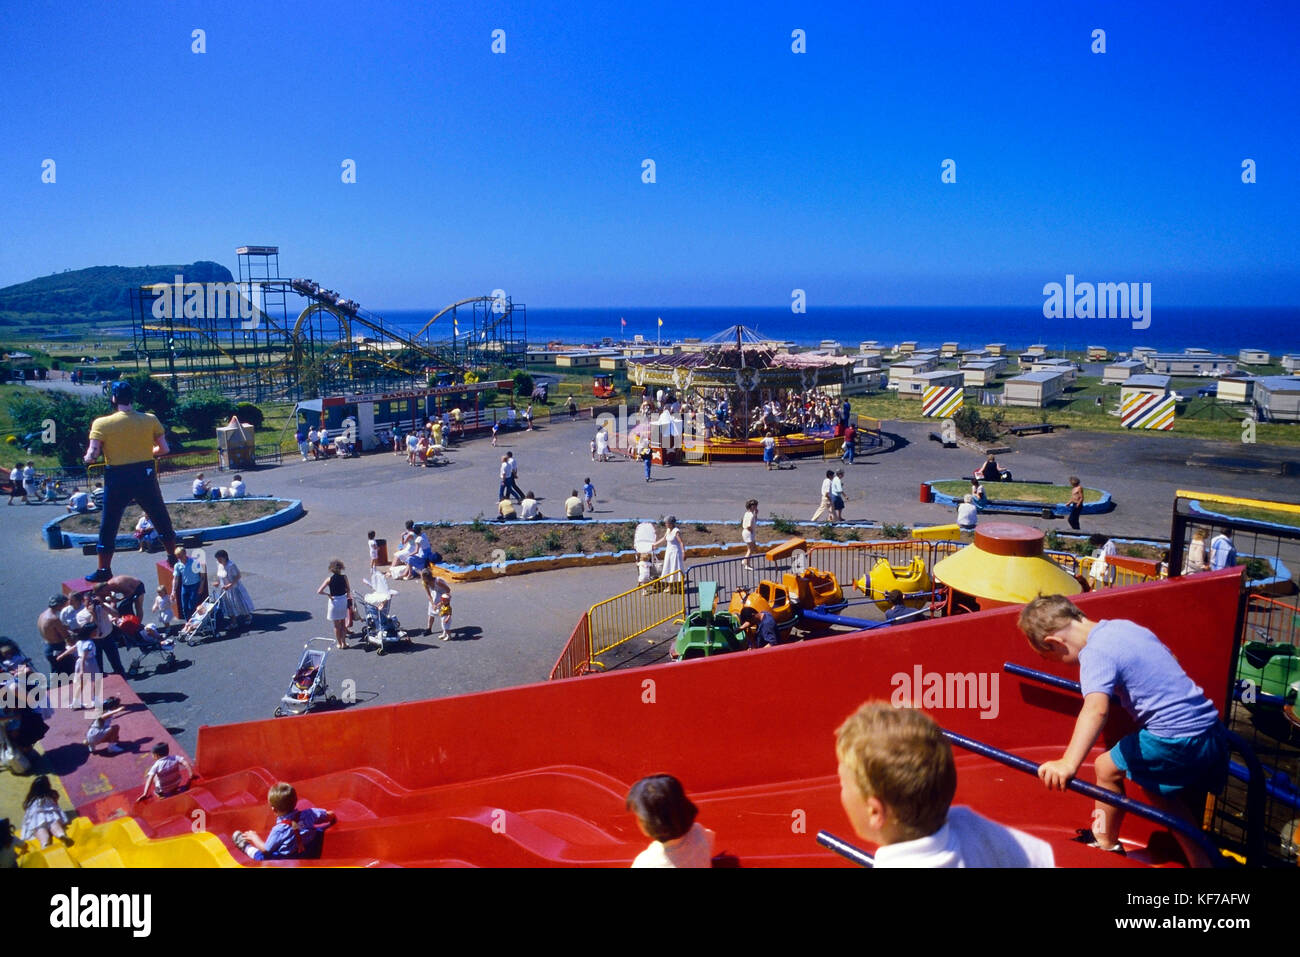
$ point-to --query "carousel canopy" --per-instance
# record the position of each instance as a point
(738, 358)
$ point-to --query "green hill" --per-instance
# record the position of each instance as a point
(94, 295)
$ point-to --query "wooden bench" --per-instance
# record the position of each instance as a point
(1034, 429)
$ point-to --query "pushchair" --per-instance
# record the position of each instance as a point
(381, 628)
(203, 624)
(308, 682)
(146, 640)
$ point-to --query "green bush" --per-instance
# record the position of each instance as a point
(151, 395)
(523, 383)
(250, 414)
(784, 524)
(971, 424)
(890, 530)
(71, 417)
(202, 412)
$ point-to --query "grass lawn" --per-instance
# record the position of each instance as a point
(1199, 418)
(1018, 492)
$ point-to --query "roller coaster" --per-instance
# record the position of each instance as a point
(332, 345)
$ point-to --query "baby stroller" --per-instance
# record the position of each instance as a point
(381, 628)
(308, 682)
(147, 640)
(203, 624)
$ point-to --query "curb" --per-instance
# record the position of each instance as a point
(292, 511)
(1104, 504)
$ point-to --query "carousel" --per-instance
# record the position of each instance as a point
(724, 399)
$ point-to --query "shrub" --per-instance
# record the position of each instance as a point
(523, 383)
(701, 528)
(70, 414)
(151, 395)
(1257, 568)
(490, 535)
(971, 424)
(784, 524)
(890, 530)
(478, 525)
(1052, 541)
(202, 412)
(250, 414)
(828, 533)
(852, 535)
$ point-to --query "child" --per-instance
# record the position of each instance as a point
(102, 730)
(747, 531)
(444, 615)
(81, 646)
(897, 780)
(1102, 572)
(593, 449)
(496, 427)
(374, 551)
(42, 816)
(667, 816)
(589, 494)
(162, 607)
(1181, 750)
(169, 774)
(296, 833)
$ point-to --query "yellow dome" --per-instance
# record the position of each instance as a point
(1005, 564)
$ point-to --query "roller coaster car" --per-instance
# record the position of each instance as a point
(769, 596)
(602, 387)
(912, 580)
(814, 588)
(1270, 669)
(705, 633)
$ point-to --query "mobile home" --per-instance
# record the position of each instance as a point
(1122, 370)
(914, 386)
(1034, 389)
(1277, 398)
(1254, 357)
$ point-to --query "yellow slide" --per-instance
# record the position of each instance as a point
(121, 843)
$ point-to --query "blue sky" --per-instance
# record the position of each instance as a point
(774, 170)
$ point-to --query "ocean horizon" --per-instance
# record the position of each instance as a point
(1172, 329)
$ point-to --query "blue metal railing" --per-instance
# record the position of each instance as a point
(1258, 783)
(1097, 794)
(843, 848)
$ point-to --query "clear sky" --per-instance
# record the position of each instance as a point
(775, 170)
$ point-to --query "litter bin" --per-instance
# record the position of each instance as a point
(927, 495)
(383, 550)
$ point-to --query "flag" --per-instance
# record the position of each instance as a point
(455, 326)
(622, 320)
(661, 322)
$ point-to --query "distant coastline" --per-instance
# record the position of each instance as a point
(1172, 329)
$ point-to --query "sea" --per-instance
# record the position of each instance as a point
(1219, 330)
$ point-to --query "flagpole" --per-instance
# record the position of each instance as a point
(659, 336)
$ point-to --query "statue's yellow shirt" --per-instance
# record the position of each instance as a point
(127, 437)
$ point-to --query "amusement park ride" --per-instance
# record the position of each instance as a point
(331, 346)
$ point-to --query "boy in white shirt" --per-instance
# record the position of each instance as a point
(897, 780)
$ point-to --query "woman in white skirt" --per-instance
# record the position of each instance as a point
(337, 590)
(235, 601)
(674, 550)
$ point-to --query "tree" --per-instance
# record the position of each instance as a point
(523, 383)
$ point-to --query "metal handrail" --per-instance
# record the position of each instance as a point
(1096, 793)
(844, 849)
(1257, 782)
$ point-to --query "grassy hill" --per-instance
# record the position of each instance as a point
(94, 295)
